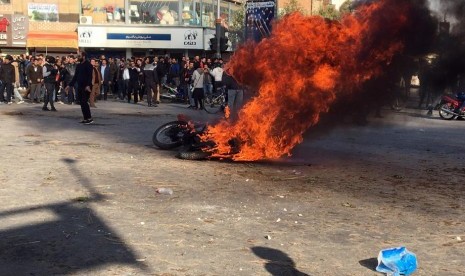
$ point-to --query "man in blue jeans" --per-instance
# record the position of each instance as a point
(235, 93)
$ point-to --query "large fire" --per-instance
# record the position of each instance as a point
(299, 72)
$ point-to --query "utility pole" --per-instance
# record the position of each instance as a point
(218, 30)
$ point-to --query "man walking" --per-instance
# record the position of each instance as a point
(83, 78)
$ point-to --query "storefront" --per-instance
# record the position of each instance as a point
(128, 27)
(141, 41)
(13, 33)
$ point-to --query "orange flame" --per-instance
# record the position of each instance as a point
(300, 71)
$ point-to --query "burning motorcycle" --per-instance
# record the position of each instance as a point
(183, 134)
(449, 105)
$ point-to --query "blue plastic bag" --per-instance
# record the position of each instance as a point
(396, 261)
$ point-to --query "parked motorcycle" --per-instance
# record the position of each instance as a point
(172, 94)
(185, 135)
(449, 104)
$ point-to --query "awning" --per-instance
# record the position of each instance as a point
(55, 40)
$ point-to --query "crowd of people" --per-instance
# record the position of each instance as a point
(48, 79)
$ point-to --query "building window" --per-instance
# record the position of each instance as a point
(103, 12)
(154, 12)
(191, 12)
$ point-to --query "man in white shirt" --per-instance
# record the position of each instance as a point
(217, 74)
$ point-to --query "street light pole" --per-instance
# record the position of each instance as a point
(218, 30)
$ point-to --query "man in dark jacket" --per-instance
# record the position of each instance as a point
(70, 71)
(7, 79)
(107, 78)
(235, 93)
(50, 78)
(35, 76)
(133, 81)
(114, 76)
(83, 78)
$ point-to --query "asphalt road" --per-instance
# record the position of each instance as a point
(81, 200)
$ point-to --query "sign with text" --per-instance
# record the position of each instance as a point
(42, 12)
(13, 30)
(129, 37)
(258, 18)
(5, 29)
(20, 25)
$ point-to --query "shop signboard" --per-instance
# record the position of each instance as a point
(130, 37)
(13, 30)
(5, 29)
(19, 30)
(42, 12)
(258, 17)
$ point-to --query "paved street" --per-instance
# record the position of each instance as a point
(81, 199)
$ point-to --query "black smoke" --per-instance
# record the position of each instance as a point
(434, 49)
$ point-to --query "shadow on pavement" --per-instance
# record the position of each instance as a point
(74, 239)
(371, 263)
(278, 263)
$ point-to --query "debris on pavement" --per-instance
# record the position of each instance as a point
(165, 191)
(347, 204)
(268, 237)
(396, 261)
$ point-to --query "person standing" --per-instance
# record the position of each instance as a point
(107, 79)
(151, 80)
(235, 93)
(207, 81)
(187, 77)
(7, 79)
(96, 82)
(83, 78)
(217, 74)
(198, 81)
(18, 96)
(50, 73)
(35, 77)
(113, 83)
(70, 71)
(133, 81)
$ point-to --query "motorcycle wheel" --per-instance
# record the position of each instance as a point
(169, 135)
(213, 104)
(446, 115)
(193, 155)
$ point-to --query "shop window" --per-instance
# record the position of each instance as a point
(208, 13)
(103, 12)
(191, 12)
(154, 12)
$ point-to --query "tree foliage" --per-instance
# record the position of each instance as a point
(346, 7)
(237, 27)
(329, 12)
(290, 7)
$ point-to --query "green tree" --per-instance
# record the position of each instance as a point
(346, 7)
(329, 12)
(237, 27)
(290, 7)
